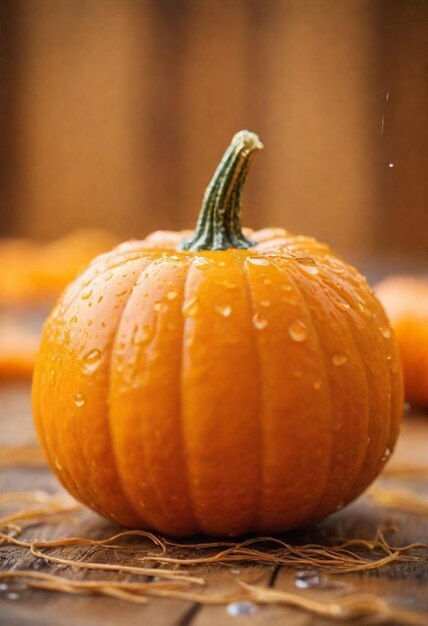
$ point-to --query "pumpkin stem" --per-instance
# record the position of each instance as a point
(219, 222)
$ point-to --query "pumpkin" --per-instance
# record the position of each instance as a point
(219, 381)
(406, 301)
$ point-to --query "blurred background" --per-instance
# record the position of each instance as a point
(114, 114)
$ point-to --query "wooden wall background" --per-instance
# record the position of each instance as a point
(114, 113)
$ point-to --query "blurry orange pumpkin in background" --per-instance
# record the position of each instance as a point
(405, 299)
(221, 381)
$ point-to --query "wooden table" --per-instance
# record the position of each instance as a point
(402, 583)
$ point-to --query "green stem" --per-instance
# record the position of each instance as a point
(219, 222)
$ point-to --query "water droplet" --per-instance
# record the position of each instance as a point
(307, 578)
(259, 322)
(308, 265)
(229, 285)
(73, 320)
(258, 260)
(368, 440)
(386, 331)
(171, 295)
(190, 307)
(343, 305)
(158, 306)
(86, 293)
(267, 281)
(223, 309)
(58, 463)
(298, 330)
(121, 293)
(79, 399)
(12, 595)
(108, 276)
(91, 361)
(241, 608)
(390, 164)
(386, 454)
(317, 383)
(265, 303)
(339, 359)
(200, 261)
(286, 287)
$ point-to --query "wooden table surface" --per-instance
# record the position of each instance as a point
(403, 584)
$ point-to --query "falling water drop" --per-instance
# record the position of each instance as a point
(307, 578)
(241, 608)
(298, 330)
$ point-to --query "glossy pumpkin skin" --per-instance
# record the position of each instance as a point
(406, 300)
(218, 392)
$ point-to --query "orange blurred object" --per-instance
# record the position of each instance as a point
(18, 349)
(406, 301)
(33, 272)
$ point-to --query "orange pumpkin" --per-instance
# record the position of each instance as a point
(406, 301)
(216, 381)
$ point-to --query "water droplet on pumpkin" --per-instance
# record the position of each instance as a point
(265, 303)
(298, 330)
(79, 399)
(386, 331)
(267, 281)
(200, 261)
(229, 285)
(91, 361)
(386, 454)
(73, 320)
(317, 383)
(343, 305)
(257, 260)
(171, 295)
(259, 322)
(190, 307)
(245, 607)
(306, 579)
(108, 276)
(223, 309)
(12, 595)
(100, 299)
(368, 440)
(86, 293)
(158, 306)
(58, 463)
(308, 265)
(286, 287)
(339, 359)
